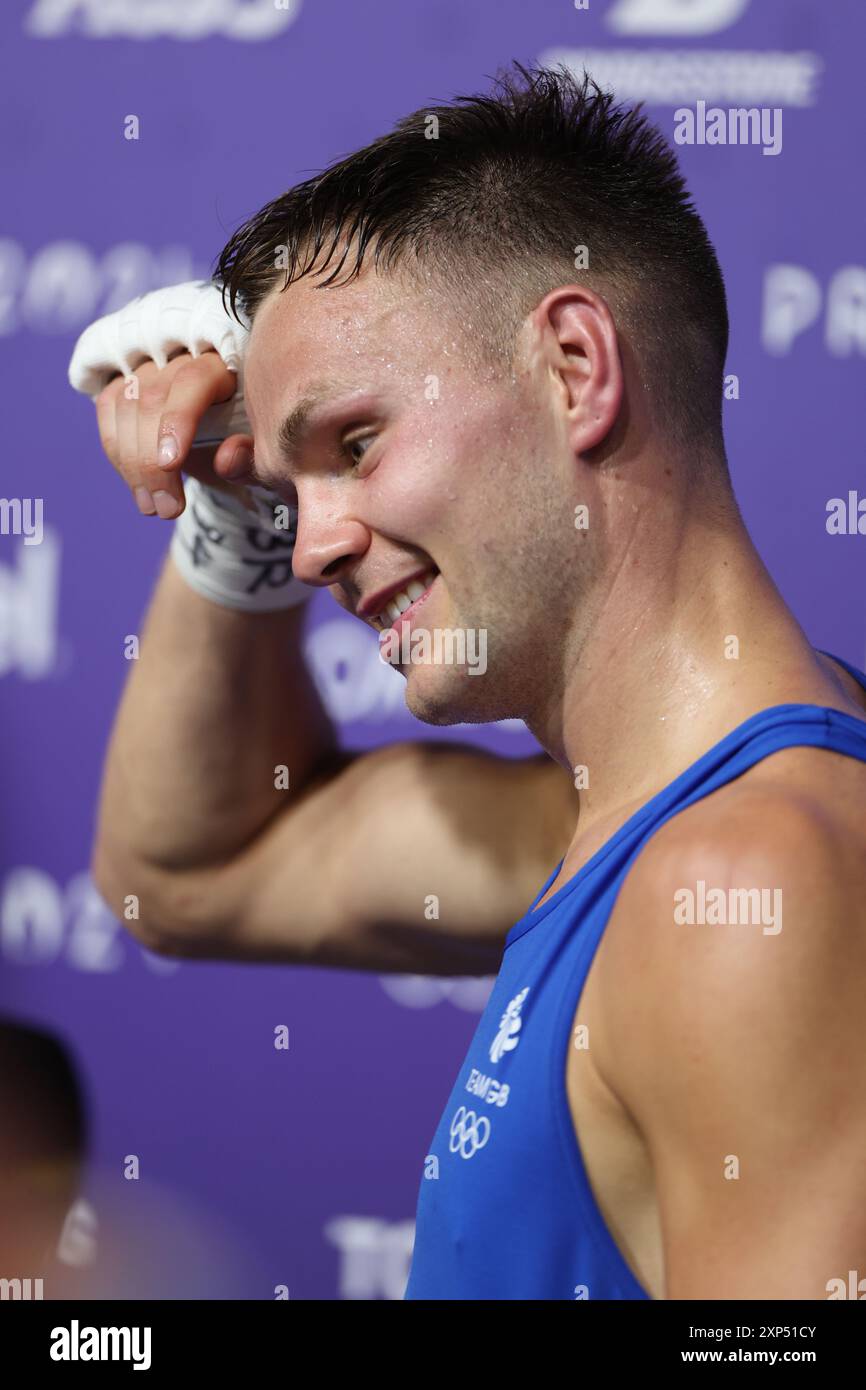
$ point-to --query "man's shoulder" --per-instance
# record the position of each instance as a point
(735, 959)
(759, 884)
(788, 815)
(732, 1014)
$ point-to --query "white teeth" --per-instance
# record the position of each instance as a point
(406, 597)
(399, 603)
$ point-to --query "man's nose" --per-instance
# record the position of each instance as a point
(327, 542)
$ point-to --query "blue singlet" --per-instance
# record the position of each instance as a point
(506, 1210)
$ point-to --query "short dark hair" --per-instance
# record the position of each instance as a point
(42, 1102)
(493, 207)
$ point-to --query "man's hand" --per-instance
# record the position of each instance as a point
(170, 404)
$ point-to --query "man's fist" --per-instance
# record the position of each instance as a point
(166, 371)
(149, 433)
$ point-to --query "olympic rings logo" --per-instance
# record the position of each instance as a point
(469, 1133)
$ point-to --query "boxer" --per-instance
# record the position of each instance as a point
(484, 393)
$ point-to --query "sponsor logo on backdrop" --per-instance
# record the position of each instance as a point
(374, 1256)
(248, 20)
(677, 76)
(425, 991)
(795, 301)
(687, 17)
(29, 596)
(64, 285)
(42, 923)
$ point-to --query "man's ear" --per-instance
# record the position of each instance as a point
(578, 339)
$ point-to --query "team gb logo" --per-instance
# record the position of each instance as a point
(509, 1028)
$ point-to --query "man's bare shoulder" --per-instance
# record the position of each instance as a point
(757, 891)
(746, 910)
(733, 978)
(796, 820)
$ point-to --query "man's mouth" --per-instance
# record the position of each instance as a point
(402, 606)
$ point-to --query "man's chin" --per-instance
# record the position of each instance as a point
(428, 697)
(444, 695)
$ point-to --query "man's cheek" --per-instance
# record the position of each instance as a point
(418, 508)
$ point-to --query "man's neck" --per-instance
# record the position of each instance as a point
(683, 647)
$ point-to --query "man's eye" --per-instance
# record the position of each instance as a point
(350, 445)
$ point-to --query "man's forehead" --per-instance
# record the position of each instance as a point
(307, 344)
(306, 311)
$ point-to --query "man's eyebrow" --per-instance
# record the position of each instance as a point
(296, 426)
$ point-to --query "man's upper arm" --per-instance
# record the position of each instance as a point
(742, 1058)
(416, 857)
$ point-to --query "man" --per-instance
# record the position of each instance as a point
(486, 360)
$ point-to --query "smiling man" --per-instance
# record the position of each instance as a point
(484, 379)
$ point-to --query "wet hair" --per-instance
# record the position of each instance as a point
(487, 198)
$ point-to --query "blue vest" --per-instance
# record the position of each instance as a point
(505, 1209)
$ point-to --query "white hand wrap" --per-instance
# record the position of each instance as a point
(239, 558)
(189, 316)
(235, 557)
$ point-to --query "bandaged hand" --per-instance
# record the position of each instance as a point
(233, 539)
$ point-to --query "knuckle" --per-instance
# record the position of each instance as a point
(194, 368)
(109, 393)
(151, 396)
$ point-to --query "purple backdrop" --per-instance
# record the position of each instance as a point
(300, 1168)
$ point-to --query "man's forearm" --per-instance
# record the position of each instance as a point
(216, 702)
